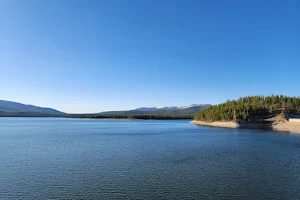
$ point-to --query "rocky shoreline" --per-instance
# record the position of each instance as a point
(287, 126)
(282, 126)
(221, 124)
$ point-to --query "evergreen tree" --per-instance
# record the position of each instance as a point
(250, 107)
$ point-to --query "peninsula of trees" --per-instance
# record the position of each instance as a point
(251, 108)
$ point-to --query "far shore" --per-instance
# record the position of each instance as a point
(171, 119)
(286, 126)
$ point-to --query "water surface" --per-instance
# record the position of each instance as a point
(52, 158)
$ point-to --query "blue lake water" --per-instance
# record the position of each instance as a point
(52, 158)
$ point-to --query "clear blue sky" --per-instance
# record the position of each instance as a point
(89, 56)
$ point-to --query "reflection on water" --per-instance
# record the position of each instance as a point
(44, 158)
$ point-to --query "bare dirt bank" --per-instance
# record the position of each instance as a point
(292, 127)
(223, 124)
(286, 126)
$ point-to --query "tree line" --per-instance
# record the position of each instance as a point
(249, 108)
(132, 116)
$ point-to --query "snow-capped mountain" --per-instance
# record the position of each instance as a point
(171, 110)
(194, 105)
(171, 107)
(157, 108)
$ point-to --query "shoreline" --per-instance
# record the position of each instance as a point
(126, 119)
(291, 127)
(220, 124)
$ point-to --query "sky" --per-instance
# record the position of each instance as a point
(88, 56)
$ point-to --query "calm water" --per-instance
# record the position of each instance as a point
(45, 158)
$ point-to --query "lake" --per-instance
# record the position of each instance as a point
(53, 158)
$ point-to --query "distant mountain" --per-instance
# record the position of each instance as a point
(157, 108)
(190, 110)
(14, 107)
(192, 106)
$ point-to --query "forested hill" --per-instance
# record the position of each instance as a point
(13, 109)
(250, 108)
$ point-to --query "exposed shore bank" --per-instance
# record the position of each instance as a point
(292, 127)
(221, 124)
